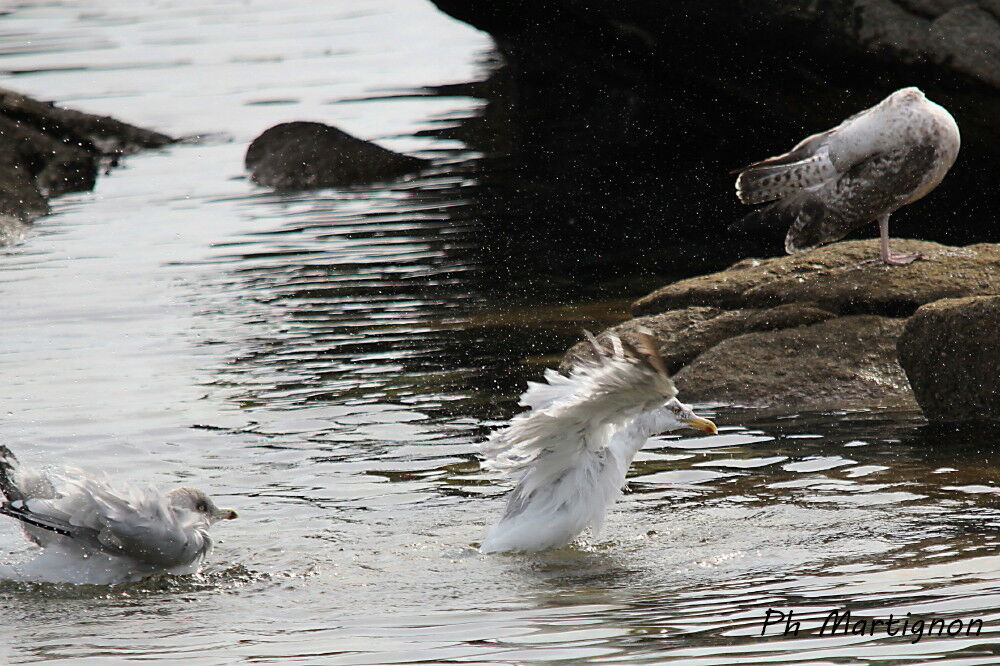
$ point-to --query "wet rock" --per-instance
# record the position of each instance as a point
(686, 333)
(840, 278)
(307, 155)
(102, 135)
(812, 330)
(46, 151)
(950, 350)
(842, 362)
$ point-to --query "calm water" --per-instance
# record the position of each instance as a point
(324, 363)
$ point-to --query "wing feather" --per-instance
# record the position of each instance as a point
(776, 181)
(577, 413)
(881, 182)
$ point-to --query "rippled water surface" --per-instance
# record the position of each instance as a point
(324, 363)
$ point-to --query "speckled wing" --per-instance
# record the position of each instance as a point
(579, 412)
(806, 165)
(881, 182)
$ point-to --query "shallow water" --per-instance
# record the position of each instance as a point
(324, 362)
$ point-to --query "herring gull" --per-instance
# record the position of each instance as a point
(571, 450)
(91, 532)
(862, 170)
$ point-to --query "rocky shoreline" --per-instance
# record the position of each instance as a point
(820, 330)
(47, 151)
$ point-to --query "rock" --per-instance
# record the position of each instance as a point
(46, 151)
(100, 135)
(842, 362)
(307, 155)
(686, 333)
(840, 278)
(816, 329)
(950, 350)
(949, 36)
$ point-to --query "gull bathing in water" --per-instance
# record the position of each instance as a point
(572, 449)
(862, 170)
(93, 533)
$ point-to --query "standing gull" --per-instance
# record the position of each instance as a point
(93, 533)
(862, 170)
(571, 450)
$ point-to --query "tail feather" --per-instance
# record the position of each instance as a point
(767, 182)
(15, 506)
(8, 465)
(16, 509)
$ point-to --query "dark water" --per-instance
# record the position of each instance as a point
(325, 362)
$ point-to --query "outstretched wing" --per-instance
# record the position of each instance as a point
(573, 414)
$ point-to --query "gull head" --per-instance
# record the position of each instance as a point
(194, 500)
(905, 96)
(686, 418)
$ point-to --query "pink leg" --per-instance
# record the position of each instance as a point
(887, 256)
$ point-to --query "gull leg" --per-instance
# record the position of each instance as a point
(887, 256)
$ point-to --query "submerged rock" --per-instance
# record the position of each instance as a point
(812, 330)
(951, 353)
(46, 151)
(307, 155)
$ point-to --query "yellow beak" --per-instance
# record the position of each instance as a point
(703, 425)
(228, 514)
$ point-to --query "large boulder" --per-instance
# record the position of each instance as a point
(307, 155)
(688, 332)
(843, 362)
(813, 330)
(950, 350)
(843, 278)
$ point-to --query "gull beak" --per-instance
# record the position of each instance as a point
(227, 514)
(703, 425)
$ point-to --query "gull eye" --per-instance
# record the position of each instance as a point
(201, 506)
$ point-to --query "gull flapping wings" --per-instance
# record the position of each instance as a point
(577, 413)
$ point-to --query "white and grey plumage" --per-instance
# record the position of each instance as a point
(570, 452)
(862, 170)
(95, 533)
